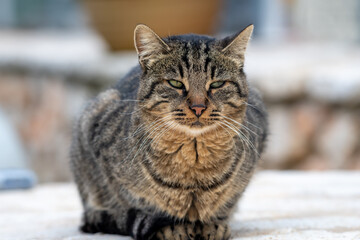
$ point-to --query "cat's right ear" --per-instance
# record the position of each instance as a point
(235, 46)
(149, 46)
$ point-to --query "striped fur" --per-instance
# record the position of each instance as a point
(146, 165)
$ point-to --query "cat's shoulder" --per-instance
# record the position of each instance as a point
(255, 102)
(128, 85)
(96, 107)
(110, 99)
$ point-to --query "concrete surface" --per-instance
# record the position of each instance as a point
(277, 205)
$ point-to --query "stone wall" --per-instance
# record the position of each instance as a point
(42, 109)
(312, 136)
(312, 91)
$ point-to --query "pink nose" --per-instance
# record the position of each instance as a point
(198, 109)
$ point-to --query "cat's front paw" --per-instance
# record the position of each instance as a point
(211, 231)
(193, 231)
(173, 232)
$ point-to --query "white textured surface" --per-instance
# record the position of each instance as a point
(277, 205)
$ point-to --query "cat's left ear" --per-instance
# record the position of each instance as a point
(149, 46)
(235, 46)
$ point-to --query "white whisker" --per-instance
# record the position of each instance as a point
(240, 124)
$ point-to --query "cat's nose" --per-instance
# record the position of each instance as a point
(198, 109)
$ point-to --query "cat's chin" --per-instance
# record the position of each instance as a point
(196, 129)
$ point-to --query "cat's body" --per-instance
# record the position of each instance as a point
(146, 167)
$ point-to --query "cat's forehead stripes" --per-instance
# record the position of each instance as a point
(201, 57)
(195, 56)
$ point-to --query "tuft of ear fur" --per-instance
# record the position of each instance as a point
(235, 46)
(149, 46)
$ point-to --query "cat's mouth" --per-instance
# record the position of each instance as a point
(197, 124)
(186, 122)
(195, 128)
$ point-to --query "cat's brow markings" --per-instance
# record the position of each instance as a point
(207, 59)
(181, 71)
(213, 69)
(185, 57)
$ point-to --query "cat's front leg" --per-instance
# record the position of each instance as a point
(194, 231)
(143, 226)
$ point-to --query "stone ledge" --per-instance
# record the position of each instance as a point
(277, 205)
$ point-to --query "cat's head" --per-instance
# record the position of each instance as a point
(192, 83)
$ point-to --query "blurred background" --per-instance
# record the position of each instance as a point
(54, 55)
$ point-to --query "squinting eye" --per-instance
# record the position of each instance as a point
(176, 84)
(217, 84)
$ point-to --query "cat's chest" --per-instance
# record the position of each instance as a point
(188, 161)
(183, 170)
(191, 204)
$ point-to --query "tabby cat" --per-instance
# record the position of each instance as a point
(167, 152)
